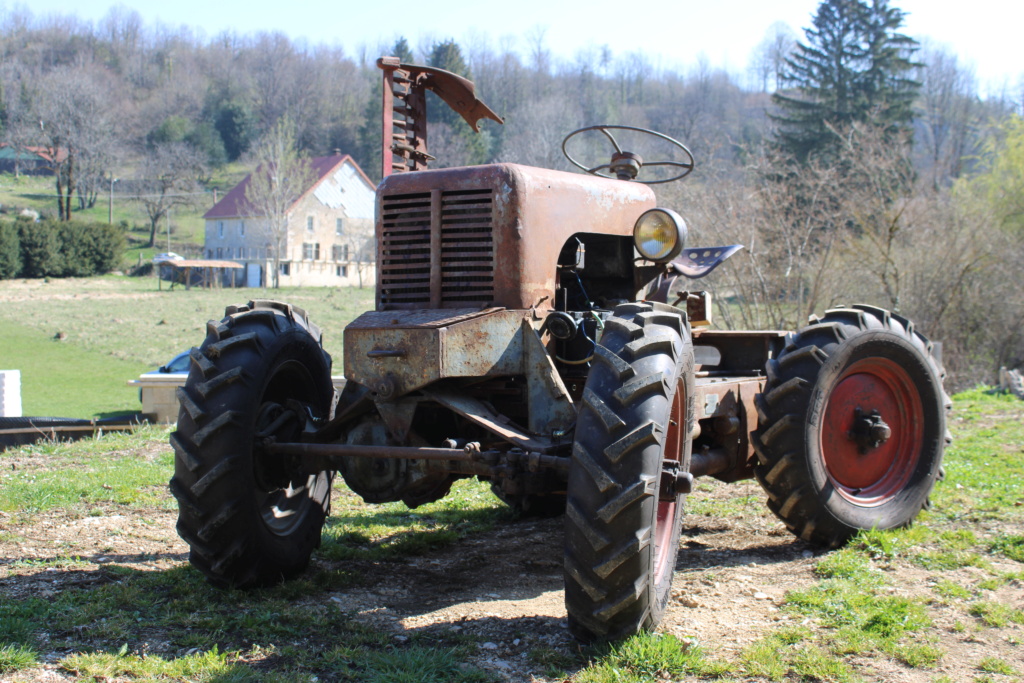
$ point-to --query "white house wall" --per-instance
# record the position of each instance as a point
(344, 195)
(346, 189)
(323, 270)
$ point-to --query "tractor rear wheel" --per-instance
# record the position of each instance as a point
(623, 514)
(248, 518)
(852, 426)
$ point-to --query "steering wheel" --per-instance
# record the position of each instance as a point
(626, 165)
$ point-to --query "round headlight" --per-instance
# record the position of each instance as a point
(659, 235)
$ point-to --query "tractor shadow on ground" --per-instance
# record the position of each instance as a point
(518, 560)
(715, 545)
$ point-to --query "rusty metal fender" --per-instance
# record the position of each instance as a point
(396, 352)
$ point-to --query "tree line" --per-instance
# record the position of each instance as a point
(854, 163)
(119, 93)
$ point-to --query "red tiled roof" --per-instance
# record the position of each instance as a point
(44, 153)
(234, 204)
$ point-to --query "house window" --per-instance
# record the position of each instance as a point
(220, 229)
(227, 252)
(339, 252)
(339, 226)
(220, 252)
(285, 269)
(342, 271)
(311, 251)
(241, 228)
(209, 253)
(309, 223)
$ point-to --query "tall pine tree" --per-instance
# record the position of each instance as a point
(855, 67)
(447, 55)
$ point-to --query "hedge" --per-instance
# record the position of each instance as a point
(58, 249)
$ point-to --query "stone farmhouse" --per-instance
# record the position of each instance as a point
(330, 231)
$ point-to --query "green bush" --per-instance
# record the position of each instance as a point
(40, 248)
(59, 249)
(90, 248)
(10, 251)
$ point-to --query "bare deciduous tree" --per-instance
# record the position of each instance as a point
(280, 178)
(73, 114)
(768, 60)
(166, 179)
(948, 116)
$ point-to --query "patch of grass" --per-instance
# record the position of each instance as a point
(994, 665)
(890, 544)
(555, 663)
(778, 658)
(952, 591)
(650, 656)
(990, 584)
(766, 659)
(848, 563)
(277, 634)
(393, 530)
(958, 539)
(864, 619)
(104, 470)
(198, 666)
(917, 655)
(729, 508)
(14, 657)
(413, 664)
(1011, 546)
(984, 471)
(64, 380)
(996, 614)
(944, 559)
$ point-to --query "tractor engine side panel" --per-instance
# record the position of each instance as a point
(489, 236)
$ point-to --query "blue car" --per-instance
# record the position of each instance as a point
(178, 364)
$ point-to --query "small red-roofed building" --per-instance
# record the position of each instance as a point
(330, 231)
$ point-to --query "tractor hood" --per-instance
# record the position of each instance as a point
(486, 236)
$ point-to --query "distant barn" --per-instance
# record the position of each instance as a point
(29, 160)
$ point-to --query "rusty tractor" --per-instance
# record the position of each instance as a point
(530, 329)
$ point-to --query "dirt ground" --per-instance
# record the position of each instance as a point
(505, 587)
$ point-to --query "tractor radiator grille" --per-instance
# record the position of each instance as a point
(437, 250)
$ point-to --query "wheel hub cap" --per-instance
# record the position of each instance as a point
(872, 431)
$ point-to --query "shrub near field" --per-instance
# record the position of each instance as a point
(58, 249)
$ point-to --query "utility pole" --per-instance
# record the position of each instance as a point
(110, 200)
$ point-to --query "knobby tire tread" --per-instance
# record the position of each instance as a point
(214, 480)
(783, 448)
(644, 353)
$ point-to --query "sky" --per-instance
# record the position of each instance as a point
(673, 34)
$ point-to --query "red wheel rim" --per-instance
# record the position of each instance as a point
(664, 556)
(871, 475)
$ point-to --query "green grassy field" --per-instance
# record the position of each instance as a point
(116, 327)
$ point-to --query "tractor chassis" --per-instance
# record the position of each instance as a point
(726, 384)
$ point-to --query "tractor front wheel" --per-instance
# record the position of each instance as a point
(248, 518)
(852, 426)
(623, 511)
